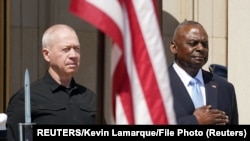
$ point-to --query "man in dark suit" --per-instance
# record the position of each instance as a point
(219, 106)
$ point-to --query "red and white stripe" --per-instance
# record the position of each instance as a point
(141, 92)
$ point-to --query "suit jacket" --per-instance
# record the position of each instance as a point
(219, 93)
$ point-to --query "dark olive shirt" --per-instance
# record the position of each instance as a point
(52, 103)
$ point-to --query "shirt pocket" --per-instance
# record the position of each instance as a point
(49, 114)
(86, 107)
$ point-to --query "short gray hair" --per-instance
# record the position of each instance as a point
(51, 33)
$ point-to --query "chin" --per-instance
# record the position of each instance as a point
(71, 71)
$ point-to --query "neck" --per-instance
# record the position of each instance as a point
(61, 79)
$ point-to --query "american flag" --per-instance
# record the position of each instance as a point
(140, 92)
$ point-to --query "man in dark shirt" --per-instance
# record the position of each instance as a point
(56, 98)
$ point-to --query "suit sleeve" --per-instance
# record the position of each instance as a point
(234, 116)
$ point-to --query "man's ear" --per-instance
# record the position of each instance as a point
(46, 54)
(173, 47)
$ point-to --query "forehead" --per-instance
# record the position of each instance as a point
(192, 31)
(65, 35)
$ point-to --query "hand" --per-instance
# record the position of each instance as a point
(207, 115)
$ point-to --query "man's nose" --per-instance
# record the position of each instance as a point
(73, 52)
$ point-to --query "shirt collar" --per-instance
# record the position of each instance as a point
(53, 84)
(185, 77)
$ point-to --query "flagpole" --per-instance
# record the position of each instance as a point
(100, 77)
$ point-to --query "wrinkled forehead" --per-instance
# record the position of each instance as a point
(64, 36)
(191, 30)
(56, 33)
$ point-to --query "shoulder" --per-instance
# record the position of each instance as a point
(222, 81)
(17, 96)
(171, 69)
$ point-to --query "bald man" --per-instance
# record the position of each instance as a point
(218, 99)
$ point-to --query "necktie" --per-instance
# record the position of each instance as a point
(196, 93)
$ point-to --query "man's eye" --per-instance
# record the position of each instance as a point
(193, 43)
(205, 44)
(66, 49)
(77, 49)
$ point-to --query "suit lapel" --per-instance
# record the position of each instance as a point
(180, 91)
(211, 88)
